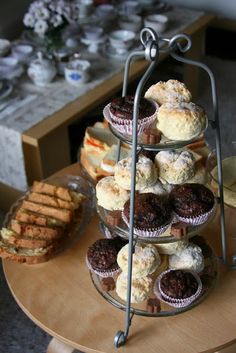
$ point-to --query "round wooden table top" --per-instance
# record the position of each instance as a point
(60, 298)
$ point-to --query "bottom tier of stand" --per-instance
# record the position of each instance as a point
(208, 277)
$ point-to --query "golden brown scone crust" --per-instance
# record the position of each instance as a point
(171, 91)
(181, 121)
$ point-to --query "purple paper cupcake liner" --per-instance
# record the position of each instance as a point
(152, 232)
(125, 126)
(196, 220)
(105, 273)
(177, 303)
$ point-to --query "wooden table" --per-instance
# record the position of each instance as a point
(46, 144)
(60, 298)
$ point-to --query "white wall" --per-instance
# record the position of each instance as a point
(222, 8)
(11, 15)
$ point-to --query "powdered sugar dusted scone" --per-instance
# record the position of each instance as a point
(158, 189)
(145, 259)
(140, 288)
(110, 195)
(171, 91)
(146, 173)
(175, 167)
(181, 121)
(200, 176)
(189, 258)
(172, 248)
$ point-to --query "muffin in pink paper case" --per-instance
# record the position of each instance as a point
(178, 288)
(101, 257)
(192, 203)
(119, 113)
(152, 214)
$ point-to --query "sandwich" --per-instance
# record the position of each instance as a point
(98, 154)
(41, 224)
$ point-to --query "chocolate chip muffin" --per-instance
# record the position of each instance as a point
(178, 284)
(152, 213)
(122, 107)
(119, 113)
(102, 255)
(191, 201)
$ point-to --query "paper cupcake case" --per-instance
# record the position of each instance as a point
(105, 273)
(151, 232)
(196, 220)
(125, 126)
(177, 303)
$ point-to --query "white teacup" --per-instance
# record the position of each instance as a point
(92, 33)
(121, 40)
(77, 72)
(129, 7)
(131, 23)
(106, 12)
(22, 52)
(157, 22)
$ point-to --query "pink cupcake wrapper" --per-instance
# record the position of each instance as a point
(173, 304)
(173, 301)
(196, 220)
(152, 232)
(125, 126)
(105, 273)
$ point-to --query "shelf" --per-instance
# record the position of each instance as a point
(165, 143)
(123, 230)
(166, 310)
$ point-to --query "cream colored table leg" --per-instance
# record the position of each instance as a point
(56, 346)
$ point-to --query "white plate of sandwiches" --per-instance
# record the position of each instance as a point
(47, 219)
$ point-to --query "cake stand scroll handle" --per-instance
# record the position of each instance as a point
(150, 52)
(149, 41)
(176, 43)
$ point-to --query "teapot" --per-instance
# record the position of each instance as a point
(41, 71)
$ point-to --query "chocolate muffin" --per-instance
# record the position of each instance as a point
(122, 107)
(178, 284)
(101, 256)
(191, 200)
(151, 211)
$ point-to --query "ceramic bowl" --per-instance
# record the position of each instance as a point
(121, 40)
(92, 33)
(10, 68)
(5, 46)
(106, 12)
(157, 22)
(129, 7)
(22, 52)
(131, 23)
(77, 72)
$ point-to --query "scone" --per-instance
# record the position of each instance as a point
(189, 258)
(158, 189)
(172, 248)
(200, 175)
(181, 121)
(146, 173)
(140, 288)
(110, 195)
(175, 167)
(171, 91)
(145, 259)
